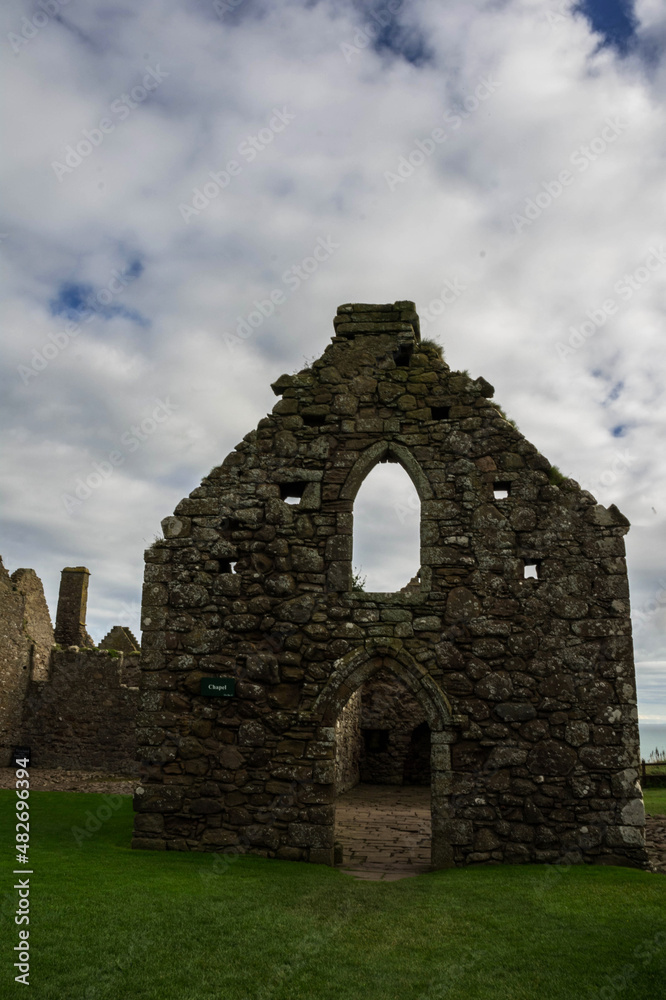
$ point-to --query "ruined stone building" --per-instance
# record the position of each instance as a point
(503, 677)
(62, 701)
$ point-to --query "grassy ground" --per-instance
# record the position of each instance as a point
(655, 801)
(108, 923)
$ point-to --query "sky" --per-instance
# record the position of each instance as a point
(170, 166)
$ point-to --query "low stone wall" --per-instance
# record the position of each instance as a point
(83, 716)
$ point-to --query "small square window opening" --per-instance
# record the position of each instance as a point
(531, 569)
(501, 490)
(292, 492)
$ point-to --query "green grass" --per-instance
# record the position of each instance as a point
(108, 923)
(655, 801)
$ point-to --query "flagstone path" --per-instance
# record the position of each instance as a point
(384, 831)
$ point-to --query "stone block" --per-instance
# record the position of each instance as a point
(605, 758)
(495, 686)
(262, 835)
(461, 605)
(306, 560)
(516, 711)
(310, 835)
(506, 757)
(429, 623)
(290, 854)
(321, 856)
(158, 799)
(220, 838)
(633, 814)
(251, 734)
(550, 757)
(629, 836)
(149, 823)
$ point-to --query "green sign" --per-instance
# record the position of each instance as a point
(218, 686)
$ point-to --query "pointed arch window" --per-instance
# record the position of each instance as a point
(386, 543)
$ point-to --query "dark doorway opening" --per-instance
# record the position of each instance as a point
(382, 825)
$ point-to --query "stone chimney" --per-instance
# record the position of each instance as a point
(398, 318)
(70, 629)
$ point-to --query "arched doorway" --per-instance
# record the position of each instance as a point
(382, 769)
(373, 670)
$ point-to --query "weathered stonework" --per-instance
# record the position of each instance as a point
(82, 716)
(121, 639)
(26, 639)
(73, 707)
(70, 628)
(527, 685)
(348, 745)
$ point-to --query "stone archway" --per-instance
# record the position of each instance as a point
(374, 454)
(349, 674)
(340, 570)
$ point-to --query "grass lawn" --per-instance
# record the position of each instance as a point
(108, 923)
(655, 801)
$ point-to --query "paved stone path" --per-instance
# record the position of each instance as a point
(384, 830)
(655, 841)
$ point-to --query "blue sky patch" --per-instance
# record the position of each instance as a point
(614, 393)
(613, 19)
(76, 297)
(391, 37)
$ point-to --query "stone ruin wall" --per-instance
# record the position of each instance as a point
(83, 716)
(527, 684)
(73, 707)
(26, 641)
